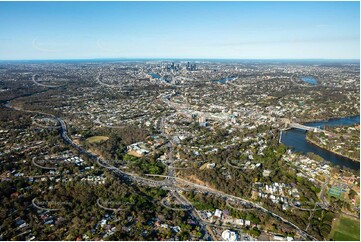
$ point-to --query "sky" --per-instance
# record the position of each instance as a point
(226, 30)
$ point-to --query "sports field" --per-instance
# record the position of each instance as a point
(346, 229)
(97, 139)
(335, 192)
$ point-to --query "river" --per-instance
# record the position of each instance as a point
(309, 80)
(224, 80)
(155, 75)
(297, 139)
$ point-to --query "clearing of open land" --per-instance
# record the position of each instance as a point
(97, 139)
(346, 229)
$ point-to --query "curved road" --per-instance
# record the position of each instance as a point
(44, 85)
(172, 179)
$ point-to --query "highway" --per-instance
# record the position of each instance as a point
(110, 209)
(182, 200)
(44, 85)
(322, 194)
(221, 194)
(43, 167)
(41, 208)
(170, 181)
(303, 233)
(240, 209)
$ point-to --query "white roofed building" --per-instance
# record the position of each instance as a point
(228, 235)
(218, 213)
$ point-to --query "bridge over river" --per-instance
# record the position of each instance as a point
(290, 125)
(304, 127)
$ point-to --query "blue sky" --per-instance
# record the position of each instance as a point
(239, 30)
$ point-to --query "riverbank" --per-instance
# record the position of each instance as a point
(330, 150)
(314, 120)
(296, 139)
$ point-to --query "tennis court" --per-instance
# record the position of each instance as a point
(335, 191)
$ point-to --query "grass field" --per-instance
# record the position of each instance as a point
(97, 139)
(133, 153)
(346, 229)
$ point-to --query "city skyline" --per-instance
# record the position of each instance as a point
(179, 30)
